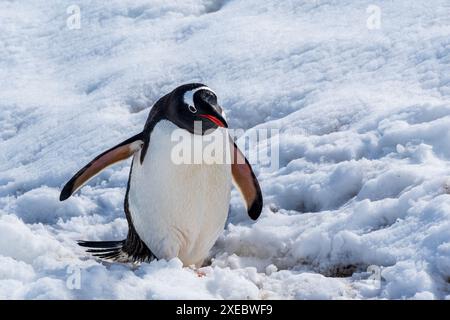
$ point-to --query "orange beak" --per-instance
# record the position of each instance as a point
(219, 122)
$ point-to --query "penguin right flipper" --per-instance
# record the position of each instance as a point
(119, 153)
(245, 180)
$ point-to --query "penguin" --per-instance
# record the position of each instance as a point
(173, 210)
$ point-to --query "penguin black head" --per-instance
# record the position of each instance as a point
(194, 108)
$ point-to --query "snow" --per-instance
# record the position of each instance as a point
(363, 118)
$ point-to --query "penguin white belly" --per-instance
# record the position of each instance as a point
(178, 210)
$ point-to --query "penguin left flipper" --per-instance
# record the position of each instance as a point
(119, 153)
(245, 181)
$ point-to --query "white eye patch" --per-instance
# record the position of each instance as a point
(188, 98)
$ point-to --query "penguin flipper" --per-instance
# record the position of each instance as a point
(119, 153)
(245, 181)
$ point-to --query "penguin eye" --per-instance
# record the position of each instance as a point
(192, 109)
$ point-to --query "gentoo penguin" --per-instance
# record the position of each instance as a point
(173, 210)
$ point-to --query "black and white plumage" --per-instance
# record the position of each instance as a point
(173, 210)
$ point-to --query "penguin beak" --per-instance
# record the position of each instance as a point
(217, 119)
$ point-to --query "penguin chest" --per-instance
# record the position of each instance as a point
(178, 210)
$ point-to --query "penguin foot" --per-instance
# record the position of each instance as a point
(200, 273)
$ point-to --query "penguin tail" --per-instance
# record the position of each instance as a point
(111, 250)
(132, 249)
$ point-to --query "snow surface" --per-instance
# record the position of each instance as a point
(364, 118)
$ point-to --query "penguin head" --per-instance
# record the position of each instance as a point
(194, 107)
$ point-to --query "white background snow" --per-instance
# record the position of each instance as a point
(364, 118)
